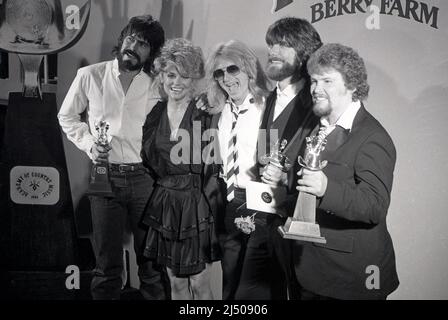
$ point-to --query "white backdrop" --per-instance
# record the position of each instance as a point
(407, 64)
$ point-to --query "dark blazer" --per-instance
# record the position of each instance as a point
(294, 124)
(352, 217)
(213, 187)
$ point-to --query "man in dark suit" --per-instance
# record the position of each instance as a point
(353, 190)
(267, 267)
(290, 42)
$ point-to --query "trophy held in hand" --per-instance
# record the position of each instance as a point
(265, 197)
(100, 184)
(277, 157)
(302, 226)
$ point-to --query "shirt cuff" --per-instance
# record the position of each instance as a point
(89, 144)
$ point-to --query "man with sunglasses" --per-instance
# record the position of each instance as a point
(288, 111)
(120, 92)
(236, 96)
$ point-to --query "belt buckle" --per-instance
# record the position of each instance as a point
(122, 168)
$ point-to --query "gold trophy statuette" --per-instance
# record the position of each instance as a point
(303, 226)
(100, 184)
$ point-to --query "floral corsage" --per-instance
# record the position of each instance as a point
(246, 224)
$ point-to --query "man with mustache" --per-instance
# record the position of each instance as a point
(120, 92)
(267, 267)
(353, 191)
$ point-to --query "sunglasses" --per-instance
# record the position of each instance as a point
(233, 70)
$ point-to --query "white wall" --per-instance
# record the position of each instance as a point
(407, 64)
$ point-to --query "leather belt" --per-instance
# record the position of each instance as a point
(126, 167)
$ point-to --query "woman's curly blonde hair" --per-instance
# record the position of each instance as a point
(187, 58)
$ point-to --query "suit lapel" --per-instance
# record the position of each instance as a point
(267, 120)
(290, 122)
(335, 140)
(308, 122)
(339, 136)
(286, 122)
(359, 118)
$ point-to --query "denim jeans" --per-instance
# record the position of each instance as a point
(132, 190)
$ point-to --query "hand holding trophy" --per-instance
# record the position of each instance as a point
(277, 157)
(100, 184)
(268, 195)
(303, 226)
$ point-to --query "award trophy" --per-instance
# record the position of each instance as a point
(277, 157)
(303, 226)
(265, 197)
(34, 28)
(100, 184)
(39, 213)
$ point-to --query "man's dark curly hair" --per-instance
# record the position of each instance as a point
(344, 60)
(148, 29)
(296, 33)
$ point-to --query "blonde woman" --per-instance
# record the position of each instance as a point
(181, 235)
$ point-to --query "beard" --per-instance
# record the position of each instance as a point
(277, 73)
(322, 109)
(129, 65)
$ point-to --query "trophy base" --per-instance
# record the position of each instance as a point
(100, 184)
(36, 233)
(300, 230)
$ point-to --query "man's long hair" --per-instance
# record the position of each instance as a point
(298, 34)
(148, 29)
(247, 61)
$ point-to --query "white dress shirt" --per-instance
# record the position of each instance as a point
(345, 120)
(247, 128)
(98, 89)
(284, 97)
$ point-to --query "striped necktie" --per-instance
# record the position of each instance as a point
(232, 157)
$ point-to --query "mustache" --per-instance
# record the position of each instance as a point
(130, 52)
(272, 58)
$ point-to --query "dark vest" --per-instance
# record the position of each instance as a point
(294, 124)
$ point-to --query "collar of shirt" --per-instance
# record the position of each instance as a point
(285, 97)
(345, 120)
(153, 94)
(116, 70)
(246, 128)
(291, 90)
(248, 101)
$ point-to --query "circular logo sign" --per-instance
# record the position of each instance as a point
(266, 197)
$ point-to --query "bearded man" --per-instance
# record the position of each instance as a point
(267, 271)
(120, 92)
(353, 191)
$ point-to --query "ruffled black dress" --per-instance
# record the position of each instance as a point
(181, 233)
